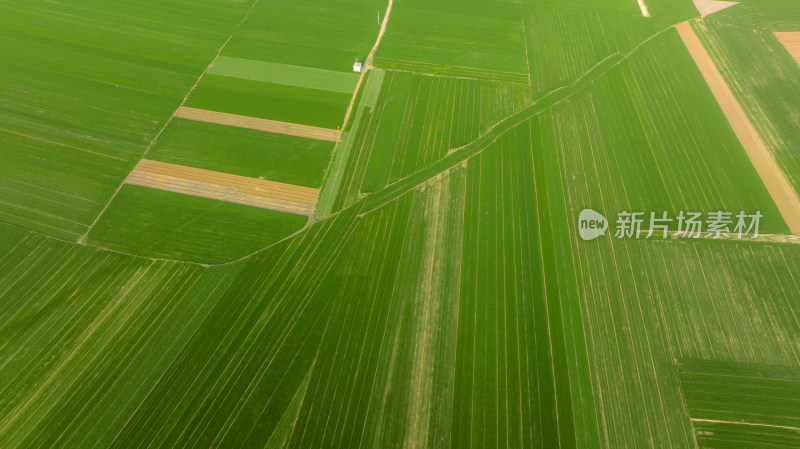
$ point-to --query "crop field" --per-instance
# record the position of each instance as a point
(170, 225)
(762, 74)
(271, 101)
(244, 152)
(420, 118)
(310, 33)
(564, 43)
(481, 41)
(440, 294)
(96, 83)
(737, 404)
(306, 78)
(663, 145)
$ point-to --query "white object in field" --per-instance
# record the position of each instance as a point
(357, 66)
(643, 7)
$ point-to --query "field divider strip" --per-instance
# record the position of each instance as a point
(772, 176)
(258, 124)
(743, 423)
(224, 187)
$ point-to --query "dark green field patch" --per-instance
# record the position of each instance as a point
(270, 101)
(169, 225)
(480, 40)
(742, 405)
(244, 152)
(310, 33)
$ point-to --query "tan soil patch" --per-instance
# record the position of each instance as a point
(260, 124)
(792, 43)
(224, 187)
(707, 7)
(777, 185)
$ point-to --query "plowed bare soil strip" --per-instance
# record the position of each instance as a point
(260, 124)
(777, 185)
(224, 187)
(792, 43)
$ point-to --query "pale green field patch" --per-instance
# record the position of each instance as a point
(284, 74)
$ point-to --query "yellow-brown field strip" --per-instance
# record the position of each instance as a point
(791, 41)
(224, 187)
(260, 124)
(777, 185)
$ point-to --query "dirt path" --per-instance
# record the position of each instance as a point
(792, 43)
(224, 187)
(777, 185)
(643, 7)
(260, 124)
(368, 61)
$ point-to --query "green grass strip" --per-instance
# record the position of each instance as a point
(369, 98)
(287, 75)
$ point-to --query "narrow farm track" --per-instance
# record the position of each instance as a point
(774, 179)
(224, 187)
(259, 124)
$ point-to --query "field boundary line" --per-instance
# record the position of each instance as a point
(768, 170)
(744, 423)
(82, 239)
(258, 124)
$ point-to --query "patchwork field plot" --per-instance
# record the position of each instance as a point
(742, 405)
(244, 152)
(481, 41)
(311, 33)
(161, 224)
(85, 87)
(75, 315)
(565, 43)
(441, 295)
(419, 119)
(782, 193)
(224, 187)
(312, 107)
(656, 140)
(760, 72)
(282, 66)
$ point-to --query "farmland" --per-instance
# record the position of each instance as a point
(244, 152)
(767, 77)
(96, 83)
(439, 293)
(169, 225)
(481, 41)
